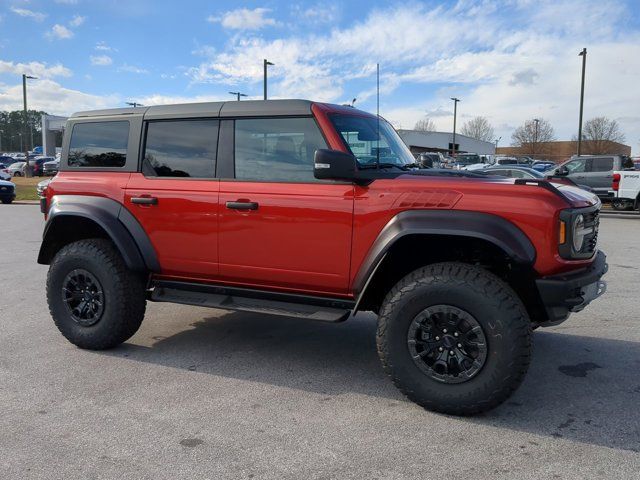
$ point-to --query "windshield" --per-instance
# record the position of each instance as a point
(467, 159)
(360, 134)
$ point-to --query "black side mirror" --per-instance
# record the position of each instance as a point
(562, 171)
(334, 165)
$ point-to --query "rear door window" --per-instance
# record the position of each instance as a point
(99, 144)
(181, 148)
(604, 164)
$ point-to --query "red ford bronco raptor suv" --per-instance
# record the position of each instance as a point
(314, 211)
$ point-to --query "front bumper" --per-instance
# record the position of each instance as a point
(571, 292)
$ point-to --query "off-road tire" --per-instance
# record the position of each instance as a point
(493, 304)
(124, 294)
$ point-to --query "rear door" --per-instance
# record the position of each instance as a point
(175, 197)
(279, 226)
(599, 175)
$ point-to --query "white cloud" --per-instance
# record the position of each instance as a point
(36, 69)
(53, 98)
(507, 60)
(132, 69)
(23, 12)
(103, 47)
(317, 14)
(100, 60)
(244, 19)
(77, 20)
(60, 32)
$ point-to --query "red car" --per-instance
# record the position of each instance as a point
(315, 211)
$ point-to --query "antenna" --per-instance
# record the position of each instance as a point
(378, 115)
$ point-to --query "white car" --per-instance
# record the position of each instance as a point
(626, 190)
(17, 169)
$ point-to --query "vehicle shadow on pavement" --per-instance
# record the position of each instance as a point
(578, 388)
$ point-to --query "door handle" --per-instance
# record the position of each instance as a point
(242, 205)
(144, 200)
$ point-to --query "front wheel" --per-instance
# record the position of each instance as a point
(454, 338)
(95, 301)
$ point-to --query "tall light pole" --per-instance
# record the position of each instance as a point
(27, 168)
(582, 54)
(455, 113)
(497, 140)
(134, 104)
(238, 95)
(535, 135)
(266, 63)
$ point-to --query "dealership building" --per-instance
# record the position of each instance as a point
(419, 142)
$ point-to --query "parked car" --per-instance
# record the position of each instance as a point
(626, 190)
(462, 160)
(4, 174)
(458, 266)
(520, 171)
(429, 160)
(6, 160)
(7, 191)
(543, 166)
(37, 165)
(51, 167)
(595, 171)
(42, 186)
(17, 169)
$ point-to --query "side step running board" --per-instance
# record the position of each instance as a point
(298, 306)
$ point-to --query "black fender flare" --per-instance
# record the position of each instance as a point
(485, 226)
(120, 225)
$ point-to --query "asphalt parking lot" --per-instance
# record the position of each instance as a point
(200, 393)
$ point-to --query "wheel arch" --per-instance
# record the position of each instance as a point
(416, 238)
(76, 217)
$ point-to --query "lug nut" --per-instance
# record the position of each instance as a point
(437, 338)
(459, 345)
(444, 330)
(440, 349)
(451, 352)
(455, 334)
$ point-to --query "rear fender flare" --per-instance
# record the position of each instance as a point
(119, 224)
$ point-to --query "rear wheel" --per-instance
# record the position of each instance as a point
(95, 301)
(454, 338)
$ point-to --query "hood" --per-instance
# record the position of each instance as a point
(4, 183)
(576, 195)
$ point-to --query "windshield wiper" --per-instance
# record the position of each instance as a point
(375, 166)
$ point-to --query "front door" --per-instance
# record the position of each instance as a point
(279, 226)
(175, 198)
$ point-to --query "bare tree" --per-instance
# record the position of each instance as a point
(532, 136)
(598, 133)
(479, 128)
(425, 125)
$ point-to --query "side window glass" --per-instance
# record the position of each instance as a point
(181, 148)
(99, 144)
(276, 149)
(602, 164)
(516, 174)
(577, 166)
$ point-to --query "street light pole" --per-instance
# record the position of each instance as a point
(535, 135)
(266, 63)
(455, 113)
(582, 54)
(25, 148)
(238, 95)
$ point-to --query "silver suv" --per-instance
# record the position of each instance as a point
(595, 171)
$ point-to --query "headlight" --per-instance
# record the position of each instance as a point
(578, 233)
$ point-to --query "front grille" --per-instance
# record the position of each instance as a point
(591, 219)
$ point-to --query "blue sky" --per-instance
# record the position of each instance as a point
(508, 60)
